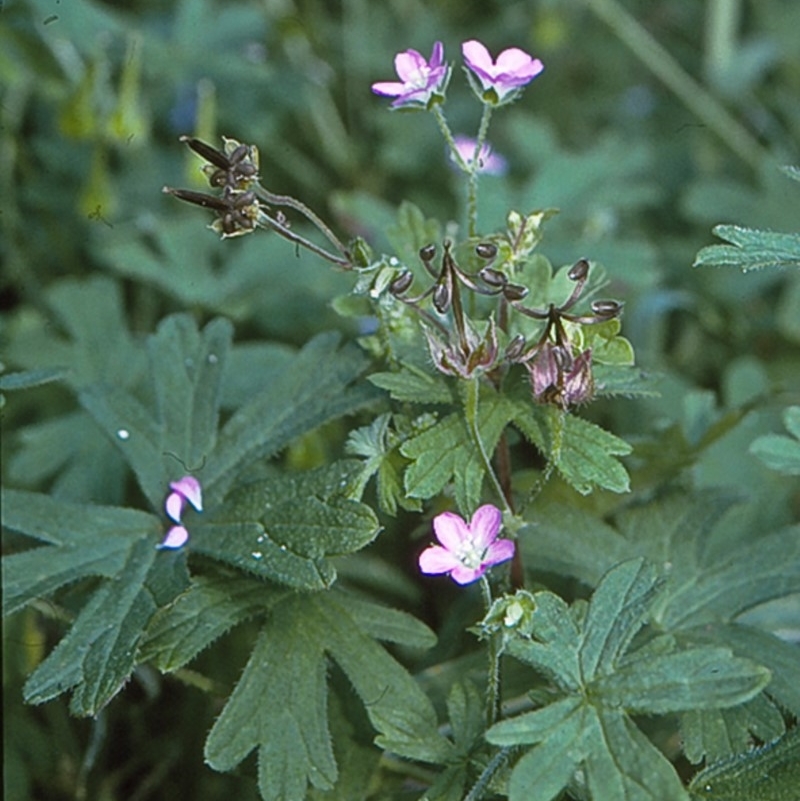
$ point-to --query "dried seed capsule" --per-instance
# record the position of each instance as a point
(401, 283)
(515, 348)
(607, 308)
(442, 296)
(428, 252)
(514, 291)
(240, 152)
(486, 250)
(493, 277)
(579, 270)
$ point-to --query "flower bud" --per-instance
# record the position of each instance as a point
(515, 348)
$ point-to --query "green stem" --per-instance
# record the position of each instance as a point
(292, 203)
(471, 412)
(270, 222)
(493, 677)
(699, 101)
(448, 137)
(472, 192)
(496, 762)
(722, 25)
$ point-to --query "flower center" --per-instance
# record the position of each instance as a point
(419, 78)
(470, 556)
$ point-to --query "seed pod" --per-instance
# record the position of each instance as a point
(216, 157)
(607, 308)
(401, 283)
(493, 277)
(515, 348)
(579, 270)
(514, 291)
(244, 199)
(240, 152)
(427, 253)
(442, 295)
(486, 250)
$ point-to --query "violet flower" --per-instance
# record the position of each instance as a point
(184, 490)
(466, 550)
(500, 79)
(419, 81)
(488, 162)
(558, 378)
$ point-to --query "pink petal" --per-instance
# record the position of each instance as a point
(174, 506)
(485, 526)
(466, 575)
(499, 551)
(451, 531)
(388, 88)
(176, 537)
(190, 488)
(476, 55)
(408, 64)
(436, 559)
(437, 55)
(517, 62)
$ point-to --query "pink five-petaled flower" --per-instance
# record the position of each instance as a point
(466, 550)
(512, 70)
(184, 490)
(488, 162)
(419, 81)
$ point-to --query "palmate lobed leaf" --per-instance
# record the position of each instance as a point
(280, 704)
(587, 736)
(285, 528)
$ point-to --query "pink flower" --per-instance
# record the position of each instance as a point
(488, 162)
(500, 79)
(186, 489)
(467, 550)
(420, 80)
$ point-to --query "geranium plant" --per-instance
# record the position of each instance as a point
(592, 638)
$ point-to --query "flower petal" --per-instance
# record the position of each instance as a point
(498, 551)
(388, 88)
(408, 65)
(485, 526)
(466, 575)
(190, 488)
(176, 537)
(452, 531)
(518, 63)
(437, 55)
(477, 56)
(174, 506)
(436, 559)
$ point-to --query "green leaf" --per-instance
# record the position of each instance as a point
(750, 249)
(771, 773)
(280, 703)
(412, 232)
(779, 452)
(412, 385)
(616, 613)
(583, 453)
(319, 387)
(539, 725)
(27, 379)
(447, 452)
(83, 541)
(717, 733)
(699, 678)
(284, 528)
(624, 764)
(209, 608)
(97, 655)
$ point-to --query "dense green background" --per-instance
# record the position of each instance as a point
(94, 97)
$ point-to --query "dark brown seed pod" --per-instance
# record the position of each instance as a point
(493, 277)
(239, 152)
(210, 154)
(427, 252)
(514, 291)
(442, 296)
(607, 308)
(401, 283)
(579, 270)
(486, 250)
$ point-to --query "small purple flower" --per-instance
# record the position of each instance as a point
(184, 490)
(512, 70)
(558, 378)
(488, 162)
(466, 550)
(419, 81)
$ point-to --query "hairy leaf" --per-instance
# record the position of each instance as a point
(750, 249)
